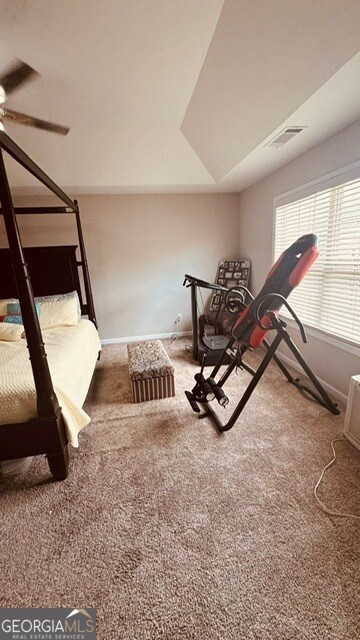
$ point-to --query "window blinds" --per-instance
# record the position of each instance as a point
(329, 296)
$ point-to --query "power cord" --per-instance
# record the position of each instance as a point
(322, 505)
(173, 339)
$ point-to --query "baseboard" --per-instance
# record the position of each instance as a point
(332, 391)
(155, 336)
(183, 334)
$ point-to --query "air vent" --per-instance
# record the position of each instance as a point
(284, 136)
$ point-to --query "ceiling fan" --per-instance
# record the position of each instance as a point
(18, 74)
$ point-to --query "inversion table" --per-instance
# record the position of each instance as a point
(255, 320)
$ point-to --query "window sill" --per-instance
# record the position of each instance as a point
(324, 337)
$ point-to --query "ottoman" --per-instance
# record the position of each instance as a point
(151, 371)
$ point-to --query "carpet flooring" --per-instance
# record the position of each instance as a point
(174, 532)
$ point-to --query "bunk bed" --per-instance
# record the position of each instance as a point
(25, 274)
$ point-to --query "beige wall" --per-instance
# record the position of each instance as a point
(332, 364)
(139, 248)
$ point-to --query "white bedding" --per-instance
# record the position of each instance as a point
(72, 353)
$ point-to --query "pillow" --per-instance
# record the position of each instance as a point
(10, 332)
(4, 304)
(11, 319)
(62, 296)
(59, 310)
(62, 309)
(13, 308)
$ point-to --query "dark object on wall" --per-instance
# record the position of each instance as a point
(46, 433)
(218, 319)
(230, 274)
(249, 332)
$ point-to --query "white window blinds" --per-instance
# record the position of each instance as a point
(329, 296)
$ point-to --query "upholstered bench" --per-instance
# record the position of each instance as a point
(151, 371)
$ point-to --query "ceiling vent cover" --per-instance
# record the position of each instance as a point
(284, 136)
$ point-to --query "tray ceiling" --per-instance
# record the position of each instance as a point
(179, 95)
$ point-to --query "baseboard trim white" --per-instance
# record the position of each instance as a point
(155, 336)
(339, 395)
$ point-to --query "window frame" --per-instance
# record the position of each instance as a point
(326, 181)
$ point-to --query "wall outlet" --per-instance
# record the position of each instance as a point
(178, 318)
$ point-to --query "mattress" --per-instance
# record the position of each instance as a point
(72, 354)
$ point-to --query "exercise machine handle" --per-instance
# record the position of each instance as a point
(189, 280)
(271, 313)
(237, 305)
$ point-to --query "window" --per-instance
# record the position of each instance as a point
(329, 297)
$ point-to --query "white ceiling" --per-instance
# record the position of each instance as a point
(178, 95)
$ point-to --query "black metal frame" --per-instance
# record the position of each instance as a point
(206, 390)
(249, 331)
(206, 350)
(46, 433)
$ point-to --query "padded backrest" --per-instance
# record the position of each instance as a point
(283, 277)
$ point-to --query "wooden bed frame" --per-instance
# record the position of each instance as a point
(39, 271)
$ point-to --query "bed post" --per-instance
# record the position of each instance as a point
(85, 268)
(47, 403)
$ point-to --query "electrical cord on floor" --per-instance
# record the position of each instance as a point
(322, 505)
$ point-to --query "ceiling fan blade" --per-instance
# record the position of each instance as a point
(30, 121)
(16, 75)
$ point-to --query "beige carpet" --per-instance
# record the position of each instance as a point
(174, 532)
